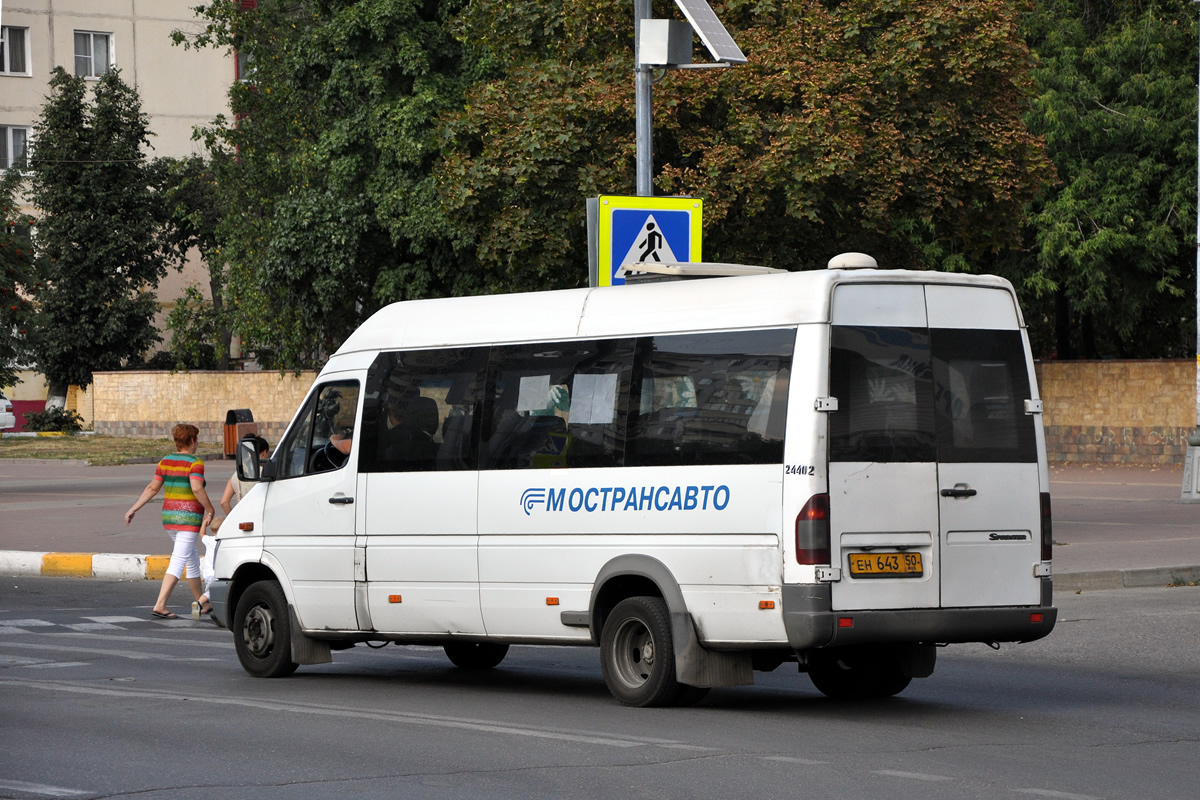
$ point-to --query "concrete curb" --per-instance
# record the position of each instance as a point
(124, 567)
(104, 566)
(1126, 579)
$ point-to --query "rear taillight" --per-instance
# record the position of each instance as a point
(812, 531)
(1047, 529)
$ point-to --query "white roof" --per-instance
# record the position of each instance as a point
(758, 301)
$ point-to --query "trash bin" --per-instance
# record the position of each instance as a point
(238, 422)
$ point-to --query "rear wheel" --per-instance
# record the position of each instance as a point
(637, 655)
(857, 673)
(475, 655)
(262, 631)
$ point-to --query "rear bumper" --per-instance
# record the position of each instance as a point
(810, 623)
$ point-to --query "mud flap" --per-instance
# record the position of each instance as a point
(696, 666)
(304, 649)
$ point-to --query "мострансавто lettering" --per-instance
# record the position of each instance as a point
(635, 498)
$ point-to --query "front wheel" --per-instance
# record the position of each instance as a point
(475, 655)
(637, 656)
(262, 631)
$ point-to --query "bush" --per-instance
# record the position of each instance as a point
(54, 419)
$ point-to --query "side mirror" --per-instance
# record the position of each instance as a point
(249, 468)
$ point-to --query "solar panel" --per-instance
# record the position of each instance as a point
(711, 31)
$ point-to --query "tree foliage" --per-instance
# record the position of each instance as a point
(389, 149)
(17, 278)
(889, 127)
(195, 205)
(98, 252)
(1114, 241)
(328, 163)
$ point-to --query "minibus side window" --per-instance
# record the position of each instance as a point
(981, 385)
(557, 405)
(883, 381)
(711, 398)
(421, 410)
(322, 437)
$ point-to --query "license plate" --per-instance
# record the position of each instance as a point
(886, 565)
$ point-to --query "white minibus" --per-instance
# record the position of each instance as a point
(841, 469)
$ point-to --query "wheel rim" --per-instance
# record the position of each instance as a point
(633, 653)
(258, 632)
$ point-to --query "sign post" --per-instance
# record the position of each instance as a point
(1191, 459)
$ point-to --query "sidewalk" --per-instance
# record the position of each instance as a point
(1114, 526)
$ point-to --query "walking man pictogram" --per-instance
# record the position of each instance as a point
(652, 242)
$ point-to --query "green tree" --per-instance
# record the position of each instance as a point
(17, 277)
(327, 164)
(889, 127)
(195, 202)
(98, 250)
(1114, 241)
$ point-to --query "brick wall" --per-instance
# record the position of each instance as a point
(1095, 411)
(150, 403)
(1118, 411)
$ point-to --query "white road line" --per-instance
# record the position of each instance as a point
(1060, 795)
(40, 788)
(57, 664)
(135, 656)
(916, 776)
(401, 717)
(808, 762)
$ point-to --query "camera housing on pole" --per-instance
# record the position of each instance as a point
(667, 44)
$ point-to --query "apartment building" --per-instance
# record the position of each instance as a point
(179, 88)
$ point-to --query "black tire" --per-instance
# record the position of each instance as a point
(475, 655)
(262, 631)
(637, 655)
(857, 674)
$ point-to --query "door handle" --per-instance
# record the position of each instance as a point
(341, 501)
(959, 490)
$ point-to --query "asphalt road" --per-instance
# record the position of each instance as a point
(97, 700)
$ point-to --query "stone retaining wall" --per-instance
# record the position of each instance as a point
(150, 403)
(1118, 411)
(1095, 411)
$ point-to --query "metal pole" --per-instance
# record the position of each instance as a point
(1191, 465)
(644, 122)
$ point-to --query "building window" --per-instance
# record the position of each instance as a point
(12, 144)
(93, 53)
(13, 57)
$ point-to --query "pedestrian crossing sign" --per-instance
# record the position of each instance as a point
(646, 229)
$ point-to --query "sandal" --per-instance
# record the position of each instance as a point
(198, 610)
(164, 614)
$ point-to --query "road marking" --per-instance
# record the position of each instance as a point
(40, 788)
(808, 762)
(118, 653)
(401, 717)
(54, 505)
(916, 776)
(103, 637)
(1061, 795)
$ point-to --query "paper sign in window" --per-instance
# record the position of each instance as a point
(534, 393)
(594, 399)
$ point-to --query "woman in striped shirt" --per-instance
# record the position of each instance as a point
(185, 506)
